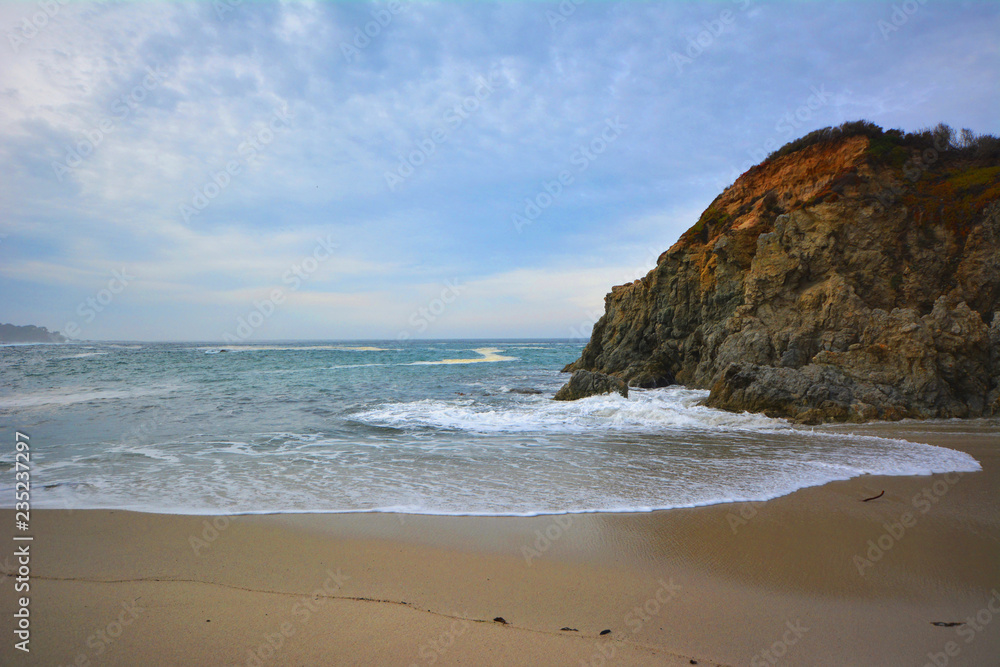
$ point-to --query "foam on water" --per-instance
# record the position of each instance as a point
(292, 348)
(520, 467)
(55, 397)
(84, 355)
(525, 483)
(487, 355)
(643, 411)
(424, 428)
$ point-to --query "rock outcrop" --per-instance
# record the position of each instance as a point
(585, 383)
(854, 275)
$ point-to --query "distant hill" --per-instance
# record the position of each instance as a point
(11, 333)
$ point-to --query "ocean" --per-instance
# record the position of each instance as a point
(433, 427)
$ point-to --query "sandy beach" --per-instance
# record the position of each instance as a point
(816, 577)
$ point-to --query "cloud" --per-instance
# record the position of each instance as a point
(187, 178)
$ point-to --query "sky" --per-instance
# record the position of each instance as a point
(244, 170)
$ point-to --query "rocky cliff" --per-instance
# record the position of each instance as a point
(853, 275)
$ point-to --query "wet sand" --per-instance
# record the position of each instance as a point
(818, 577)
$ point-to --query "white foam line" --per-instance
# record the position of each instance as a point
(411, 510)
(81, 395)
(286, 348)
(489, 355)
(83, 355)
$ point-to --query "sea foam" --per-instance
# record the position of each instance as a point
(428, 427)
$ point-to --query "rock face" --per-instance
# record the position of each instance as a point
(853, 276)
(585, 383)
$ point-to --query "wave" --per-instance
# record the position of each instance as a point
(543, 487)
(644, 411)
(499, 475)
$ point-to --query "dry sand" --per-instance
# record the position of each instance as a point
(793, 581)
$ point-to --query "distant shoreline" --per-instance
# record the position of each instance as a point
(12, 333)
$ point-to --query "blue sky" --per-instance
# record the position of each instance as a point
(262, 170)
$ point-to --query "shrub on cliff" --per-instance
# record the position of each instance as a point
(882, 142)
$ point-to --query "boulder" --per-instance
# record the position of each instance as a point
(585, 383)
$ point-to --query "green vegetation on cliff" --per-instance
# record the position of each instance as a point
(892, 146)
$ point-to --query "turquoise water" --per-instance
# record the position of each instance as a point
(443, 427)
